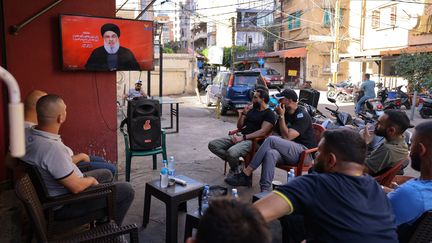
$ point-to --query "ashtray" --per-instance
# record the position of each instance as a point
(171, 182)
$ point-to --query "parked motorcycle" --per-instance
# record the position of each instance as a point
(425, 107)
(388, 102)
(342, 92)
(342, 118)
(405, 100)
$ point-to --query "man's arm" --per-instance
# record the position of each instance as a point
(274, 206)
(76, 184)
(265, 129)
(80, 157)
(377, 160)
(287, 133)
(242, 116)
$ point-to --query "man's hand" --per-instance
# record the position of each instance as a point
(367, 136)
(236, 139)
(280, 109)
(81, 157)
(247, 108)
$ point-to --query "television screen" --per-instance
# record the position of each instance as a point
(106, 44)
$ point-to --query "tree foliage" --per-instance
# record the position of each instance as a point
(227, 54)
(168, 50)
(416, 68)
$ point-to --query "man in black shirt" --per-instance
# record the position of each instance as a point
(256, 120)
(296, 135)
(340, 203)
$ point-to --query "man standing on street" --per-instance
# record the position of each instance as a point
(368, 87)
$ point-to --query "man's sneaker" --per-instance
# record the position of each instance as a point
(239, 180)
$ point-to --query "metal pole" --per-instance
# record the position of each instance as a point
(335, 60)
(160, 62)
(145, 9)
(148, 83)
(413, 104)
(233, 43)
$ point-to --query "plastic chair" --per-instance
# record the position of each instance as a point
(153, 152)
(387, 177)
(109, 232)
(251, 152)
(103, 191)
(300, 167)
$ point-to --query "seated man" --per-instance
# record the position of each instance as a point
(238, 223)
(45, 150)
(255, 121)
(368, 88)
(414, 197)
(340, 203)
(295, 128)
(81, 159)
(136, 92)
(391, 126)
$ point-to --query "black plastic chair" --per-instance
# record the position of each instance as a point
(109, 232)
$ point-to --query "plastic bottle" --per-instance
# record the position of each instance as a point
(164, 178)
(165, 163)
(171, 166)
(205, 199)
(292, 172)
(291, 175)
(234, 193)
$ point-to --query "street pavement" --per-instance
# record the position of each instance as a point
(198, 125)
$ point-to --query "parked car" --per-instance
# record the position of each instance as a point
(272, 77)
(234, 89)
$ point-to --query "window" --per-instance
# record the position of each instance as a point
(393, 11)
(375, 19)
(294, 20)
(328, 16)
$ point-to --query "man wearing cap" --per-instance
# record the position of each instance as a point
(111, 56)
(136, 92)
(391, 126)
(294, 127)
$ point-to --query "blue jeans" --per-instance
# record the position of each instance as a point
(360, 103)
(97, 162)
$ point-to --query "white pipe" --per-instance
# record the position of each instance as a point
(16, 115)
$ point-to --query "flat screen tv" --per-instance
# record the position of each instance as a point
(106, 44)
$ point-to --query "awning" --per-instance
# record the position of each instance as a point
(290, 53)
(410, 49)
(364, 56)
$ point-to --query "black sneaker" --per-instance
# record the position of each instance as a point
(239, 180)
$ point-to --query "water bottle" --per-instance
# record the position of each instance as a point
(234, 193)
(205, 199)
(171, 167)
(164, 178)
(291, 175)
(165, 163)
(292, 172)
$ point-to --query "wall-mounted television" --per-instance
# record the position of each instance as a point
(106, 44)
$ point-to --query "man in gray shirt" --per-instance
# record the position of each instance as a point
(368, 87)
(45, 150)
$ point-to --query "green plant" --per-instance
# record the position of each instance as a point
(168, 50)
(416, 68)
(227, 54)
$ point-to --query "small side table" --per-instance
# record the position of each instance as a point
(173, 197)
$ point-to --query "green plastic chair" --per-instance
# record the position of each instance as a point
(131, 153)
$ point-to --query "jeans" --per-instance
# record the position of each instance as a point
(360, 103)
(123, 199)
(97, 162)
(226, 150)
(275, 150)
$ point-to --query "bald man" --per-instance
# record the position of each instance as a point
(81, 159)
(30, 116)
(414, 197)
(45, 150)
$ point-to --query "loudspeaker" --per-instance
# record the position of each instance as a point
(309, 96)
(144, 124)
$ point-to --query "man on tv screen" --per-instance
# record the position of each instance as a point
(111, 56)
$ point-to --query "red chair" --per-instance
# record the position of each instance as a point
(386, 178)
(251, 152)
(300, 167)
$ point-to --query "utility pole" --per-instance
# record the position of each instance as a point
(335, 51)
(233, 42)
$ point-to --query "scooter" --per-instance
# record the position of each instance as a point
(404, 98)
(425, 107)
(389, 103)
(343, 92)
(342, 118)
